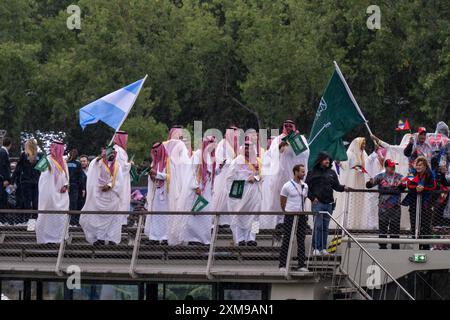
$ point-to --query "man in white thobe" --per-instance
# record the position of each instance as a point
(104, 186)
(282, 160)
(226, 151)
(53, 195)
(120, 146)
(197, 230)
(157, 226)
(245, 168)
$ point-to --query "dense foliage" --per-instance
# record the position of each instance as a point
(250, 62)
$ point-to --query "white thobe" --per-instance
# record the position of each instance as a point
(278, 170)
(106, 227)
(198, 227)
(241, 225)
(224, 151)
(157, 225)
(50, 227)
(373, 167)
(125, 193)
(179, 164)
(358, 210)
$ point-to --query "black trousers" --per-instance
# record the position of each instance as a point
(301, 234)
(4, 218)
(425, 224)
(389, 225)
(74, 194)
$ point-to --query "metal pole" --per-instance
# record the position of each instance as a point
(347, 204)
(62, 246)
(350, 236)
(137, 243)
(418, 213)
(291, 243)
(212, 246)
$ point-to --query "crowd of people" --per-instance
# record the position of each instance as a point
(227, 176)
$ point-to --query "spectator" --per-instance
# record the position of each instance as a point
(84, 160)
(423, 182)
(418, 147)
(26, 177)
(76, 183)
(321, 181)
(389, 185)
(292, 199)
(5, 175)
(445, 182)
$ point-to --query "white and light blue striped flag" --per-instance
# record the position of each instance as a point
(113, 108)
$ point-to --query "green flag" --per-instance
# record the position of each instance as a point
(42, 164)
(237, 189)
(296, 143)
(338, 113)
(134, 175)
(199, 204)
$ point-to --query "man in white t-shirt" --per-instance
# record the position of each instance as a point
(292, 199)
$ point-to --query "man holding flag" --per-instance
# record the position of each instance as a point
(338, 113)
(104, 186)
(113, 110)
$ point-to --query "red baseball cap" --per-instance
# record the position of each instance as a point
(389, 163)
(422, 130)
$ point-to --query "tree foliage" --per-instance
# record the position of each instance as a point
(251, 63)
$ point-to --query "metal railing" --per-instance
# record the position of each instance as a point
(423, 216)
(136, 254)
(376, 288)
(222, 257)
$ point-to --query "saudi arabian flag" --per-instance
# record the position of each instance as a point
(338, 113)
(42, 164)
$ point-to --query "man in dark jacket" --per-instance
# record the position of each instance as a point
(5, 175)
(76, 179)
(322, 180)
(5, 171)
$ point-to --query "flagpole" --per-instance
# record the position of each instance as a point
(126, 115)
(352, 97)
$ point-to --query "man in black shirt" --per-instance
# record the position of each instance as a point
(76, 180)
(84, 160)
(5, 171)
(322, 180)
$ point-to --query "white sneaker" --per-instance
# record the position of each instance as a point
(283, 270)
(316, 253)
(324, 252)
(31, 225)
(303, 269)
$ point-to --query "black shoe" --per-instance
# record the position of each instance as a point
(99, 243)
(164, 243)
(154, 242)
(252, 243)
(241, 244)
(194, 243)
